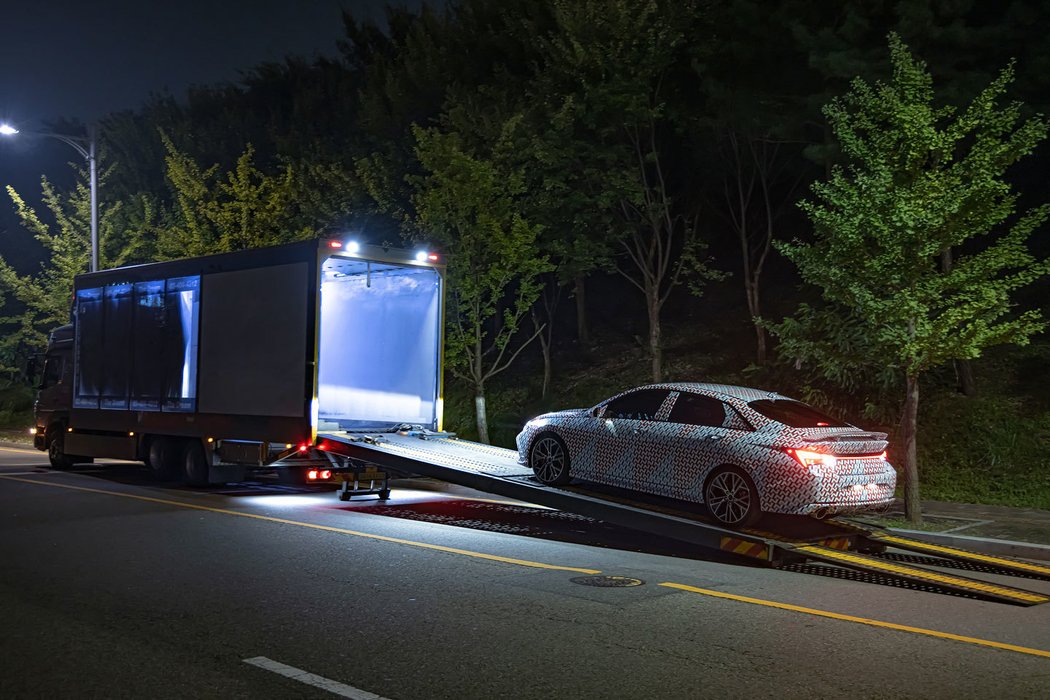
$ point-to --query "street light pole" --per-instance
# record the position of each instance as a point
(86, 148)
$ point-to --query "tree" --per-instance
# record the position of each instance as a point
(625, 64)
(921, 179)
(247, 208)
(34, 304)
(467, 203)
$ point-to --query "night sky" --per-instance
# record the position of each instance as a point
(82, 59)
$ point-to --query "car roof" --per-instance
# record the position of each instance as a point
(742, 393)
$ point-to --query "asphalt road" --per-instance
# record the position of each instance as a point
(112, 586)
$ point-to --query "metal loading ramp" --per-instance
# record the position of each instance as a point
(496, 470)
(959, 584)
(1005, 565)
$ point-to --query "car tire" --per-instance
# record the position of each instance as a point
(195, 468)
(549, 459)
(162, 458)
(731, 497)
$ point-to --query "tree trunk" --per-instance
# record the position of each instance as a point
(751, 290)
(912, 504)
(482, 415)
(760, 344)
(547, 370)
(964, 370)
(581, 310)
(652, 302)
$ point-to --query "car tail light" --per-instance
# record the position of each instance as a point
(808, 458)
(311, 475)
(325, 474)
(304, 447)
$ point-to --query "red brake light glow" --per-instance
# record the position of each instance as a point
(432, 256)
(303, 447)
(808, 458)
(312, 475)
(335, 244)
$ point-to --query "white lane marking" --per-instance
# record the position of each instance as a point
(297, 674)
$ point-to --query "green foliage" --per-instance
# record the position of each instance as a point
(921, 180)
(42, 301)
(246, 207)
(467, 203)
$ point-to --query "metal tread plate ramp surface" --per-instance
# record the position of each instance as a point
(497, 470)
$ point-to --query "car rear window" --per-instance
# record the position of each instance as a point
(795, 414)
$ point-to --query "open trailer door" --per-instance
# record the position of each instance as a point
(379, 340)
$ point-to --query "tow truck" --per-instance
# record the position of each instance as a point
(323, 360)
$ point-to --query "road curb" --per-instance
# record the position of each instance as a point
(987, 545)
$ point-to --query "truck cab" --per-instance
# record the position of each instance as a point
(55, 396)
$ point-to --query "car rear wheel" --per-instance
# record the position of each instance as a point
(731, 497)
(549, 459)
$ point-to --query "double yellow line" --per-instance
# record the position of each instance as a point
(539, 565)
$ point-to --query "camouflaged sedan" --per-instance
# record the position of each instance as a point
(740, 451)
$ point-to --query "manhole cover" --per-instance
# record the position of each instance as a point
(608, 581)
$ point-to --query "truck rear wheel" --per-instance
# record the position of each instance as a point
(163, 459)
(195, 468)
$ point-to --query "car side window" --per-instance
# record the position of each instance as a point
(638, 405)
(694, 409)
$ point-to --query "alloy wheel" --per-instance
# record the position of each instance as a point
(548, 459)
(729, 497)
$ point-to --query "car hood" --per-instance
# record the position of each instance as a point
(558, 415)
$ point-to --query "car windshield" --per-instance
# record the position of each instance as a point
(796, 414)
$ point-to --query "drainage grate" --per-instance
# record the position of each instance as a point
(608, 581)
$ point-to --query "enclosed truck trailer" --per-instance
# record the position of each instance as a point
(207, 367)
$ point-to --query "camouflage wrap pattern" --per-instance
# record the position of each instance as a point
(674, 459)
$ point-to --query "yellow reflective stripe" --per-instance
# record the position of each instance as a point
(911, 572)
(861, 620)
(891, 539)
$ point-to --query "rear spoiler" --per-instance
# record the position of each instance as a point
(848, 437)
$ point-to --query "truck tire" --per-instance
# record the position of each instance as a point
(162, 458)
(56, 449)
(195, 468)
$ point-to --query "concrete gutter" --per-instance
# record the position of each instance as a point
(985, 545)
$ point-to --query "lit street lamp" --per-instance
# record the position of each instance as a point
(85, 146)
